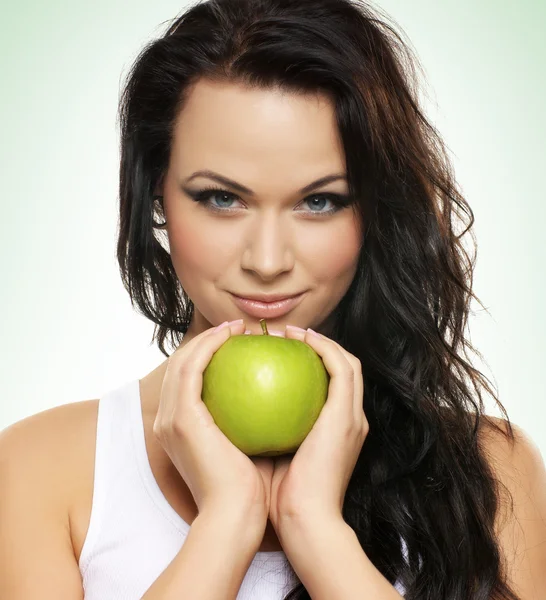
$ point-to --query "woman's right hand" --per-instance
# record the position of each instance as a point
(219, 476)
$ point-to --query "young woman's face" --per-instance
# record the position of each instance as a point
(272, 238)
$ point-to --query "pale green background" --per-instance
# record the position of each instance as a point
(69, 332)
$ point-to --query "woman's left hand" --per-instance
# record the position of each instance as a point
(312, 483)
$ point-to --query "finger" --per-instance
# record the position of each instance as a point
(234, 326)
(358, 399)
(190, 365)
(342, 376)
(183, 380)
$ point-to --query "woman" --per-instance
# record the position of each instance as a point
(277, 148)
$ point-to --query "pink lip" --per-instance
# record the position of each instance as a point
(267, 310)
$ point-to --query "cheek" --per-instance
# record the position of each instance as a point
(198, 246)
(340, 260)
(333, 252)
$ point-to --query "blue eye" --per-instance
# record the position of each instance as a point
(223, 198)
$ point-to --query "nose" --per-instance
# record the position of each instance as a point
(267, 248)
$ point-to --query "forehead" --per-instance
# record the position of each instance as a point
(255, 132)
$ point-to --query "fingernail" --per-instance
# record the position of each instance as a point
(221, 326)
(275, 332)
(313, 332)
(237, 322)
(294, 328)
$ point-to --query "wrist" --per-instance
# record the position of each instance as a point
(299, 526)
(245, 525)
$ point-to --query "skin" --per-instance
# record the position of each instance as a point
(271, 242)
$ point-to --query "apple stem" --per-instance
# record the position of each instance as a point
(264, 326)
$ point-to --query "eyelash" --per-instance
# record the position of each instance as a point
(340, 201)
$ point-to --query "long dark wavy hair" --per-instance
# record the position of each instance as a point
(422, 475)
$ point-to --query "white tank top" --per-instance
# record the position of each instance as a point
(134, 533)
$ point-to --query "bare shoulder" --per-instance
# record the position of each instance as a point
(518, 457)
(49, 447)
(516, 461)
(518, 467)
(41, 467)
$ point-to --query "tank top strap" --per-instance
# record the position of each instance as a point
(113, 434)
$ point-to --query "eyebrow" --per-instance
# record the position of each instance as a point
(244, 190)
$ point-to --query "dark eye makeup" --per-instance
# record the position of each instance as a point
(204, 196)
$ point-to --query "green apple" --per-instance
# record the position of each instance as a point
(265, 392)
